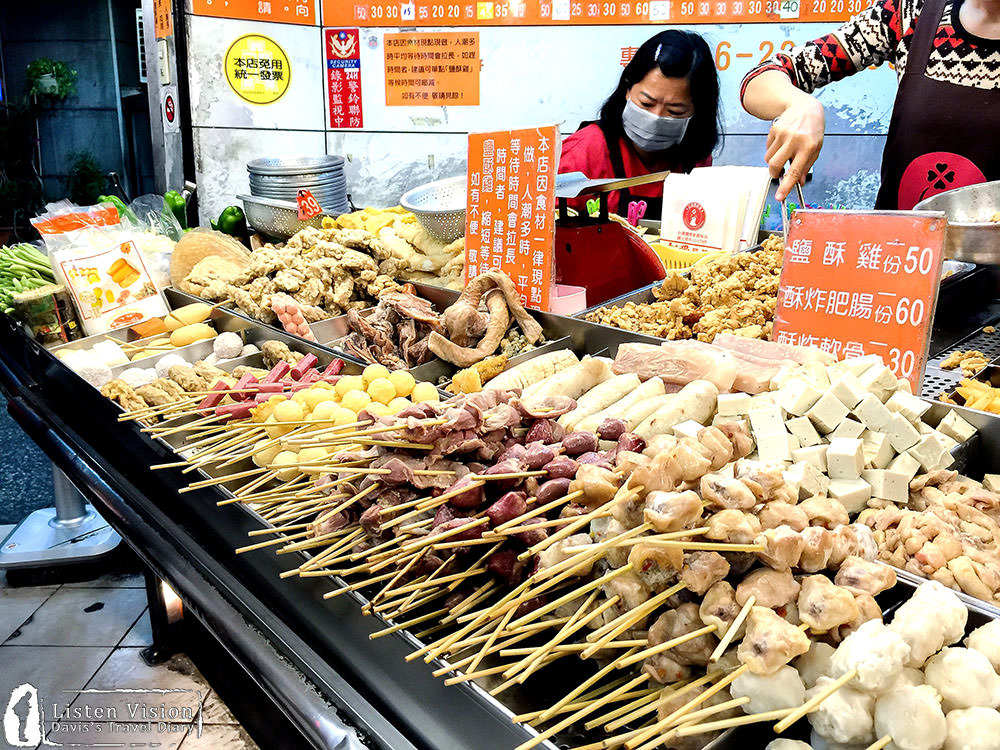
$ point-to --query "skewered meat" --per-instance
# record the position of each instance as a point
(824, 605)
(665, 671)
(875, 651)
(702, 570)
(912, 716)
(776, 514)
(598, 484)
(719, 607)
(508, 507)
(153, 395)
(769, 588)
(656, 566)
(964, 678)
(733, 526)
(561, 467)
(770, 642)
(817, 546)
(855, 539)
(767, 479)
(726, 492)
(868, 609)
(782, 547)
(672, 511)
(605, 528)
(825, 511)
(677, 622)
(815, 662)
(556, 553)
(782, 689)
(613, 429)
(552, 490)
(861, 576)
(630, 591)
(846, 716)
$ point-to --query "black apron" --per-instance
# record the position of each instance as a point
(941, 136)
(654, 206)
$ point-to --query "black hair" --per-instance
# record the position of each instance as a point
(678, 54)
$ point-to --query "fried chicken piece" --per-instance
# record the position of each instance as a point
(702, 570)
(769, 588)
(823, 605)
(860, 576)
(782, 547)
(154, 396)
(672, 511)
(770, 642)
(186, 377)
(732, 526)
(681, 621)
(719, 607)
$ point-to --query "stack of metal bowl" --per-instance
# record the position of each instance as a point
(281, 179)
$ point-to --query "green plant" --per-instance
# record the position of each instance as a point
(51, 79)
(20, 185)
(86, 180)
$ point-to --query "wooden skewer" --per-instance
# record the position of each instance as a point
(642, 705)
(532, 717)
(623, 622)
(736, 721)
(538, 511)
(271, 542)
(573, 647)
(443, 535)
(731, 631)
(409, 623)
(576, 593)
(665, 646)
(666, 695)
(509, 475)
(797, 713)
(880, 742)
(569, 529)
(278, 529)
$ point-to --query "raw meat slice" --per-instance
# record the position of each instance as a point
(678, 363)
(772, 349)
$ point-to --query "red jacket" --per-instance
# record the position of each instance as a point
(586, 151)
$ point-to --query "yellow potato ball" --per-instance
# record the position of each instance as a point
(266, 453)
(402, 381)
(274, 429)
(321, 385)
(398, 404)
(349, 383)
(378, 409)
(424, 392)
(286, 458)
(343, 416)
(324, 411)
(381, 390)
(312, 457)
(355, 400)
(289, 411)
(313, 396)
(374, 372)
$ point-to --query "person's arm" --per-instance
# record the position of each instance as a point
(780, 89)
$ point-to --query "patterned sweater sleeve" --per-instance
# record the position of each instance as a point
(869, 38)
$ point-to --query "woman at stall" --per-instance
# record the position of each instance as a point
(943, 131)
(663, 116)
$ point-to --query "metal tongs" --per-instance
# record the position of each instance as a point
(784, 212)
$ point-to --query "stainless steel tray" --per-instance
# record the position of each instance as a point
(971, 236)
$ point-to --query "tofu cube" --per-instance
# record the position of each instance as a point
(773, 446)
(911, 407)
(793, 444)
(816, 372)
(853, 493)
(859, 365)
(877, 449)
(956, 428)
(923, 428)
(689, 428)
(804, 431)
(880, 381)
(888, 485)
(845, 458)
(946, 442)
(904, 386)
(827, 413)
(733, 404)
(930, 453)
(991, 482)
(849, 390)
(766, 419)
(873, 413)
(904, 464)
(798, 396)
(902, 435)
(809, 479)
(814, 455)
(849, 428)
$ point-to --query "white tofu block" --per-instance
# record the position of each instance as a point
(827, 413)
(845, 459)
(905, 464)
(773, 446)
(908, 405)
(816, 372)
(689, 428)
(849, 428)
(809, 479)
(902, 435)
(848, 390)
(784, 376)
(853, 493)
(804, 431)
(814, 454)
(793, 444)
(859, 365)
(888, 485)
(880, 381)
(930, 453)
(798, 396)
(948, 443)
(877, 448)
(955, 427)
(873, 413)
(992, 482)
(733, 404)
(766, 398)
(904, 386)
(766, 419)
(923, 428)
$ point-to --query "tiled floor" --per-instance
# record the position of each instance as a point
(78, 645)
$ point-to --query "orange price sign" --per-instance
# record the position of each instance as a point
(510, 209)
(163, 18)
(865, 282)
(308, 207)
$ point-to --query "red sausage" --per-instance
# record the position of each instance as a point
(302, 365)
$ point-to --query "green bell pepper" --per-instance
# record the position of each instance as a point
(231, 221)
(124, 212)
(174, 203)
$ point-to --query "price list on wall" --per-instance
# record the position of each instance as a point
(376, 13)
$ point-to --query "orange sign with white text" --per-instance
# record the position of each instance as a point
(163, 18)
(510, 209)
(435, 68)
(282, 11)
(856, 283)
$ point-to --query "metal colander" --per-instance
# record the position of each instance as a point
(439, 207)
(278, 219)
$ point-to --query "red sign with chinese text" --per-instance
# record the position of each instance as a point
(510, 209)
(343, 78)
(301, 12)
(856, 283)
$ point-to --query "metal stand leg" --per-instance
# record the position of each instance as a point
(163, 646)
(71, 532)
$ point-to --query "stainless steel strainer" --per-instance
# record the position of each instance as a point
(278, 219)
(439, 207)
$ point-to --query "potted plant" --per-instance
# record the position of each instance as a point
(51, 79)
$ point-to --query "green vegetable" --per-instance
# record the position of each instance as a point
(174, 203)
(22, 268)
(231, 221)
(124, 212)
